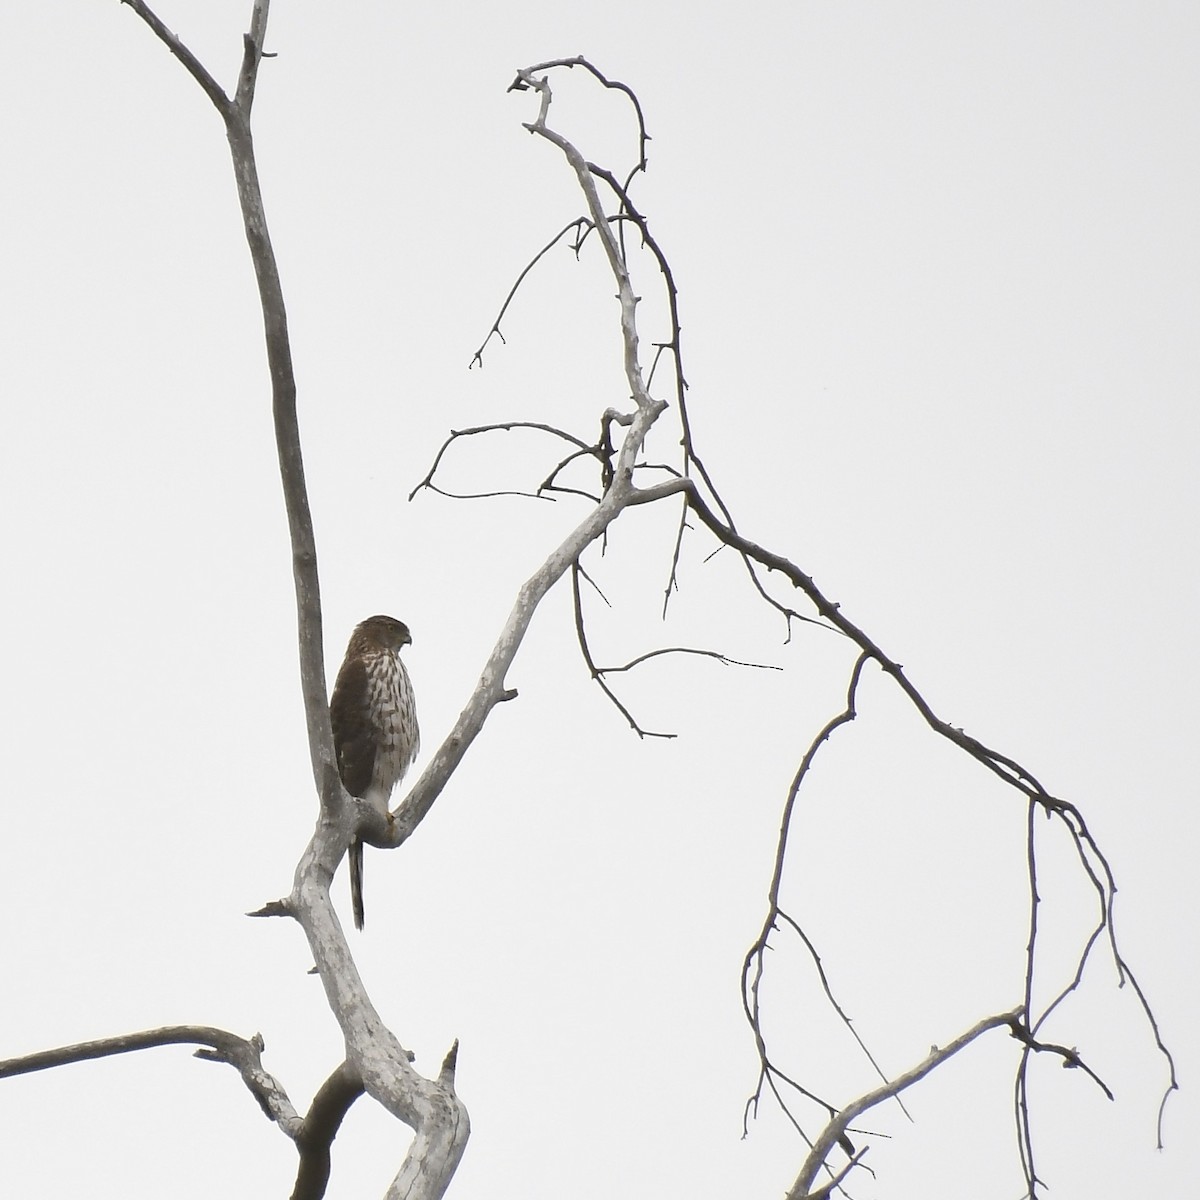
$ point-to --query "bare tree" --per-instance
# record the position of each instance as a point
(609, 471)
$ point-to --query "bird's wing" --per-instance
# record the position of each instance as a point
(354, 736)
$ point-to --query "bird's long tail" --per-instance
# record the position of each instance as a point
(356, 872)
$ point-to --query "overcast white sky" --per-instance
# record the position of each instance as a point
(939, 285)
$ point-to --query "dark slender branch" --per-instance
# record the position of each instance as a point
(583, 574)
(1024, 1128)
(724, 659)
(672, 584)
(550, 484)
(843, 1016)
(772, 1072)
(822, 1193)
(521, 83)
(190, 62)
(593, 670)
(441, 491)
(1103, 925)
(500, 426)
(848, 714)
(1071, 1058)
(1007, 769)
(702, 498)
(690, 457)
(768, 1075)
(1024, 1138)
(321, 1124)
(753, 965)
(582, 227)
(1172, 1080)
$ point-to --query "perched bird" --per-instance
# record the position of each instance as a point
(374, 717)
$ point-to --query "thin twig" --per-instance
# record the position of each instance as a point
(582, 227)
(724, 659)
(593, 670)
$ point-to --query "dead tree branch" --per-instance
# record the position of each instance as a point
(582, 227)
(245, 1054)
(376, 1061)
(619, 494)
(834, 1132)
(374, 1054)
(236, 115)
(320, 1126)
(701, 500)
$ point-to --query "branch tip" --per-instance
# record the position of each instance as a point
(449, 1065)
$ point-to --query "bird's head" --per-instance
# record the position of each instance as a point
(385, 632)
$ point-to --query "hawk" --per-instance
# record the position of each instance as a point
(374, 718)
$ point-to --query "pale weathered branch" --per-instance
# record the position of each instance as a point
(373, 1053)
(252, 55)
(619, 494)
(491, 688)
(243, 1053)
(236, 115)
(835, 1130)
(585, 177)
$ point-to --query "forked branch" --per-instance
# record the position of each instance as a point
(701, 500)
(376, 1061)
(245, 1054)
(835, 1130)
